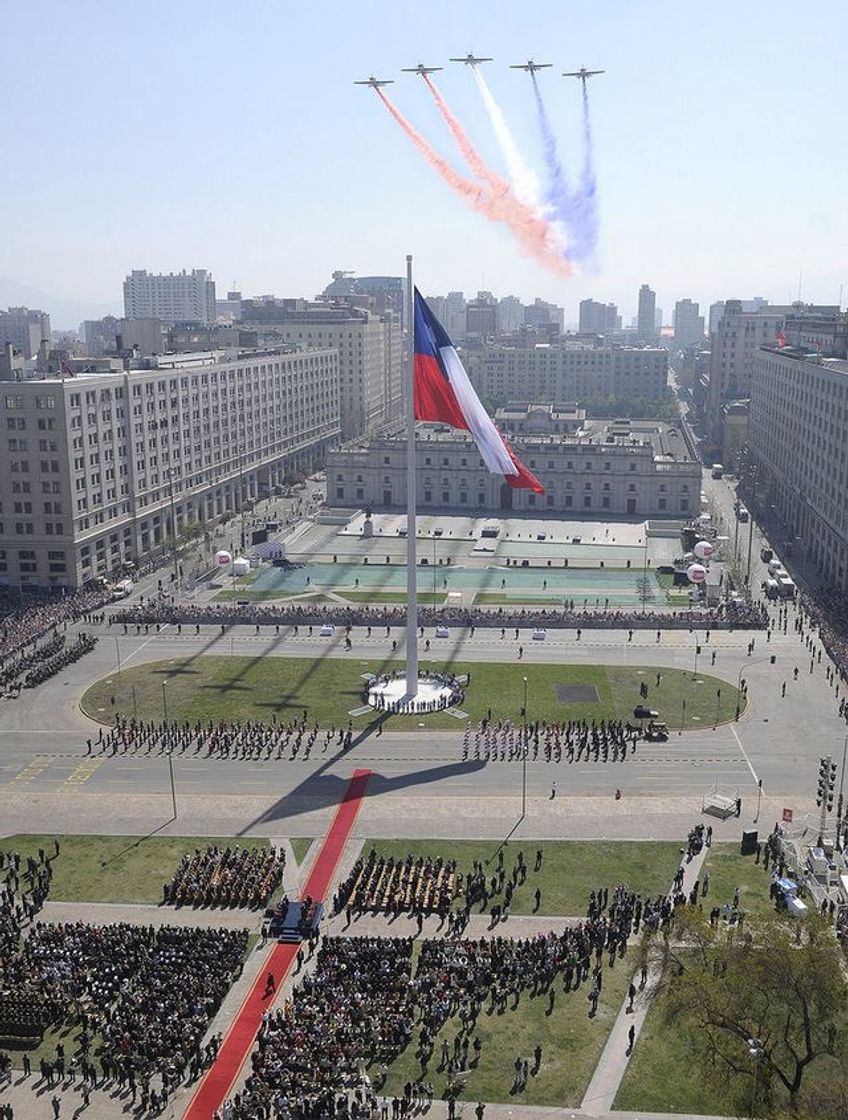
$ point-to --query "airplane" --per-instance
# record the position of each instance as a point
(582, 74)
(530, 66)
(375, 83)
(470, 60)
(420, 69)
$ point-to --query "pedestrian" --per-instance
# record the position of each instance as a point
(631, 992)
(553, 789)
(57, 1107)
(631, 1038)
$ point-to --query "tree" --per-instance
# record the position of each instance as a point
(777, 982)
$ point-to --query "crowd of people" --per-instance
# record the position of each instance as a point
(22, 894)
(577, 740)
(167, 610)
(139, 1000)
(226, 877)
(425, 885)
(355, 1008)
(27, 617)
(48, 667)
(238, 740)
(14, 669)
(452, 693)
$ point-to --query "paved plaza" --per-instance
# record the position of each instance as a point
(418, 787)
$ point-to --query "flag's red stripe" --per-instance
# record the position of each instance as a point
(434, 398)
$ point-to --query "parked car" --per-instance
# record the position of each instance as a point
(641, 712)
(327, 630)
(766, 555)
(540, 634)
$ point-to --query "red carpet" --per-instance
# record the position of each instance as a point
(217, 1084)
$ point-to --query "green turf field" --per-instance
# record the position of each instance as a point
(571, 1046)
(570, 868)
(128, 869)
(262, 687)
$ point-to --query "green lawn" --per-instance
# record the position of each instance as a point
(300, 846)
(729, 870)
(495, 598)
(570, 868)
(571, 1046)
(114, 868)
(399, 596)
(222, 688)
(669, 1072)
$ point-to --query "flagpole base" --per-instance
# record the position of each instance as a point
(433, 694)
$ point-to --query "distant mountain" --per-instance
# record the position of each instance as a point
(65, 314)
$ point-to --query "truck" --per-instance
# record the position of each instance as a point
(718, 470)
(122, 589)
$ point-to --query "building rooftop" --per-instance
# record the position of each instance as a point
(802, 354)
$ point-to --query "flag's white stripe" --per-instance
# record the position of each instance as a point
(487, 437)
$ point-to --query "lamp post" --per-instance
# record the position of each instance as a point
(756, 1052)
(174, 529)
(697, 651)
(118, 655)
(839, 803)
(170, 753)
(524, 753)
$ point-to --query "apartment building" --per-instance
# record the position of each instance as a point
(25, 328)
(370, 355)
(173, 297)
(553, 373)
(636, 469)
(96, 468)
(798, 440)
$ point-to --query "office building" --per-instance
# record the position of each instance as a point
(646, 327)
(820, 330)
(369, 347)
(510, 316)
(481, 317)
(638, 469)
(554, 373)
(228, 310)
(540, 314)
(797, 435)
(454, 321)
(25, 328)
(739, 336)
(96, 469)
(688, 324)
(598, 318)
(175, 297)
(99, 335)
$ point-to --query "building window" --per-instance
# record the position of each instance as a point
(567, 501)
(661, 503)
(632, 467)
(446, 497)
(605, 502)
(428, 495)
(340, 491)
(360, 493)
(587, 502)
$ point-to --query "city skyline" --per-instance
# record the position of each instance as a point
(321, 178)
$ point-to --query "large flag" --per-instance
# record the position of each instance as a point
(443, 392)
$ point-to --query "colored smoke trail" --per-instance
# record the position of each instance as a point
(575, 208)
(469, 152)
(524, 181)
(538, 237)
(588, 183)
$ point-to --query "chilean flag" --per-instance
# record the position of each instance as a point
(443, 392)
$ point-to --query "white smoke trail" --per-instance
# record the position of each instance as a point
(524, 180)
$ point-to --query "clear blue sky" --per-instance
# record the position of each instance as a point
(229, 136)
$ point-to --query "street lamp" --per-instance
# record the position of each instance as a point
(169, 752)
(118, 655)
(524, 753)
(756, 1053)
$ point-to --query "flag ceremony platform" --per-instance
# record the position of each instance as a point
(431, 695)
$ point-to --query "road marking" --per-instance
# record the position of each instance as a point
(745, 756)
(33, 769)
(84, 771)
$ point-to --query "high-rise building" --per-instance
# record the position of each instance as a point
(688, 324)
(510, 317)
(797, 434)
(481, 317)
(733, 347)
(25, 328)
(820, 330)
(542, 314)
(455, 315)
(228, 310)
(100, 462)
(598, 318)
(369, 347)
(646, 316)
(174, 297)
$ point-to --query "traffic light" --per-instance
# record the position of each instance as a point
(826, 783)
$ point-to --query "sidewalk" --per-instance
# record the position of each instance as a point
(610, 1070)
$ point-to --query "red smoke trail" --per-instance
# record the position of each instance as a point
(470, 154)
(498, 204)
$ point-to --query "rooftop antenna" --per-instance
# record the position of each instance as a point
(800, 280)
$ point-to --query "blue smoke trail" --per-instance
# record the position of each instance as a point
(575, 208)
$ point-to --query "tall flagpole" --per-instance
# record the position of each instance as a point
(411, 572)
